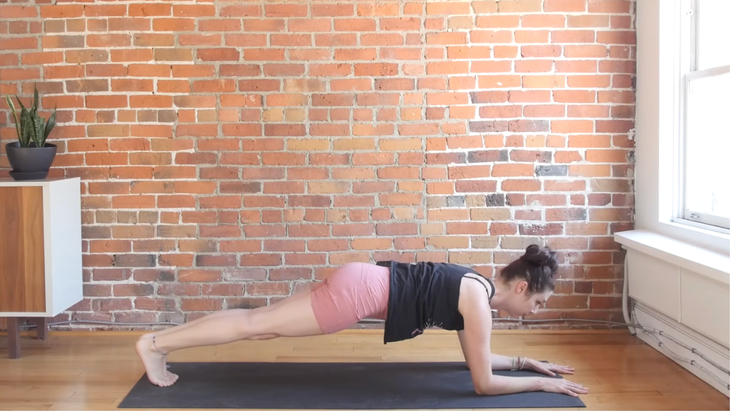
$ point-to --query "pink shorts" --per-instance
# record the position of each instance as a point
(353, 292)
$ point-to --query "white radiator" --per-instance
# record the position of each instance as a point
(681, 293)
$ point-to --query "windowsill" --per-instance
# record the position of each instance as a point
(691, 257)
(717, 233)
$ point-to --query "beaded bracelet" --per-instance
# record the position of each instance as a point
(518, 360)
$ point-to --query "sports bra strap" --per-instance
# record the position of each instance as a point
(490, 292)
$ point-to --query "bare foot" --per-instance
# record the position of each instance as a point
(155, 363)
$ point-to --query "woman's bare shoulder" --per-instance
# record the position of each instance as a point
(473, 299)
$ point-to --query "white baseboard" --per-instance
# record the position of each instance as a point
(647, 317)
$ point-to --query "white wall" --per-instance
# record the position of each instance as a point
(660, 62)
(678, 277)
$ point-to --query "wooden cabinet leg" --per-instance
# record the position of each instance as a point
(14, 337)
(41, 327)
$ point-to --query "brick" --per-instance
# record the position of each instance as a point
(61, 11)
(569, 214)
(588, 20)
(536, 36)
(198, 10)
(614, 126)
(380, 39)
(338, 10)
(606, 156)
(150, 9)
(621, 22)
(577, 96)
(491, 37)
(534, 66)
(541, 229)
(573, 36)
(623, 112)
(128, 23)
(400, 24)
(354, 25)
(616, 37)
(356, 54)
(51, 42)
(398, 53)
(448, 8)
(586, 51)
(377, 9)
(626, 66)
(571, 126)
(610, 185)
(177, 54)
(218, 54)
(461, 22)
(475, 186)
(446, 38)
(376, 69)
(572, 6)
(144, 70)
(279, 70)
(19, 43)
(434, 68)
(18, 12)
(285, 10)
(418, 129)
(310, 25)
(551, 170)
(173, 24)
(453, 98)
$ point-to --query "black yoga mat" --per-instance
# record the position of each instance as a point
(331, 386)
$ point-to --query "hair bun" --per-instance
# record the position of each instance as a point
(537, 266)
(537, 255)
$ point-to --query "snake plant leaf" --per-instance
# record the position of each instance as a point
(20, 102)
(15, 115)
(49, 125)
(37, 132)
(27, 128)
(35, 98)
(24, 116)
(42, 132)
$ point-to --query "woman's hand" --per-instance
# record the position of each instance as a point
(548, 368)
(563, 386)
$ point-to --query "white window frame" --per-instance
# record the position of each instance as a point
(662, 59)
(688, 68)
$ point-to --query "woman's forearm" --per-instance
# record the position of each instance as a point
(501, 362)
(498, 385)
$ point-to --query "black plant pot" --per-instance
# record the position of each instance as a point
(30, 163)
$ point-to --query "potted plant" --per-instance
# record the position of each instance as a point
(30, 157)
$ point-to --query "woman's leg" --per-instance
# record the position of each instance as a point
(293, 317)
(223, 313)
(178, 327)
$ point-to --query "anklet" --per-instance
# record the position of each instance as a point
(155, 344)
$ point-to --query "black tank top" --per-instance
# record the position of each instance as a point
(424, 295)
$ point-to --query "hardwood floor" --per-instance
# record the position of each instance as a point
(79, 370)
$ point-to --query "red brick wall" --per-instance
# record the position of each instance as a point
(233, 151)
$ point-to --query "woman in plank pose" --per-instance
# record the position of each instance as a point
(410, 298)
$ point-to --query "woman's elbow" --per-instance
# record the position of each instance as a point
(484, 387)
(482, 391)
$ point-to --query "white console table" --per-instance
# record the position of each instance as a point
(40, 252)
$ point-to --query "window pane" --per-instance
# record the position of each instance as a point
(708, 146)
(713, 33)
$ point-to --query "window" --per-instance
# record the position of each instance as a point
(705, 146)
